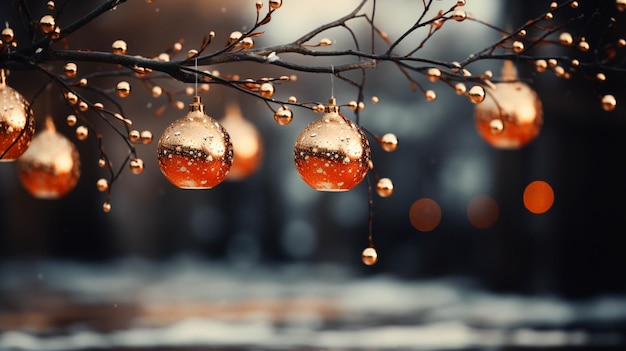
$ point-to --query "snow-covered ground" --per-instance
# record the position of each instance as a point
(191, 303)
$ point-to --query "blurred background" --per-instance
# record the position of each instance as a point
(274, 232)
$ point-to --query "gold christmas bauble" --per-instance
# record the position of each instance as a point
(247, 143)
(50, 168)
(17, 124)
(511, 115)
(195, 152)
(332, 153)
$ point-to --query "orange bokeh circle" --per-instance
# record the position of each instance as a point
(483, 211)
(538, 197)
(425, 214)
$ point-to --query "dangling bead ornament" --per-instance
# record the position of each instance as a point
(332, 153)
(247, 143)
(50, 168)
(369, 256)
(17, 124)
(511, 115)
(195, 152)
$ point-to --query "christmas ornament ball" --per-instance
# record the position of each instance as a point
(511, 115)
(247, 143)
(17, 124)
(50, 168)
(332, 153)
(195, 152)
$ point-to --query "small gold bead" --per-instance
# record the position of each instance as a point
(47, 24)
(119, 47)
(369, 256)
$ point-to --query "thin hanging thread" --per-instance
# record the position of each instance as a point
(196, 68)
(332, 81)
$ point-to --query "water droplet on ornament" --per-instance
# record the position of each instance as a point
(496, 126)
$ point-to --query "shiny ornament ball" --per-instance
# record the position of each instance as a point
(119, 47)
(389, 142)
(70, 69)
(369, 256)
(283, 116)
(7, 35)
(332, 153)
(384, 187)
(123, 89)
(247, 143)
(47, 24)
(17, 124)
(511, 116)
(195, 152)
(50, 168)
(609, 103)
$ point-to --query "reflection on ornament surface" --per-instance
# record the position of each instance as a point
(332, 153)
(195, 152)
(17, 124)
(50, 168)
(511, 116)
(247, 143)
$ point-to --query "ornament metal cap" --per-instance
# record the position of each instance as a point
(196, 105)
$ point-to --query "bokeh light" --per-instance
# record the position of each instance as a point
(483, 211)
(425, 214)
(538, 197)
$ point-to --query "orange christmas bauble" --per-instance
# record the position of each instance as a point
(50, 168)
(195, 152)
(17, 124)
(511, 115)
(332, 153)
(247, 143)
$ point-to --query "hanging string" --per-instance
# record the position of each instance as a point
(332, 82)
(196, 68)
